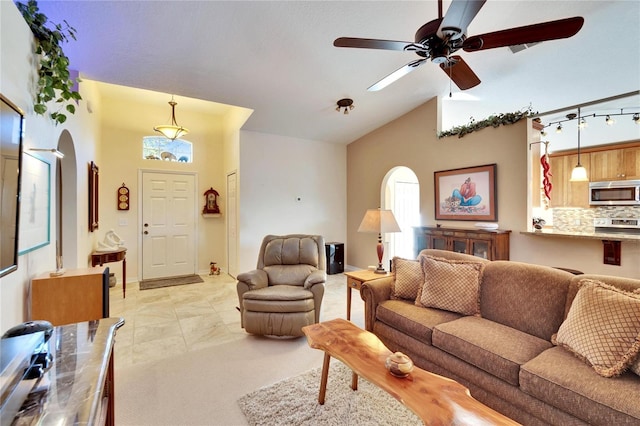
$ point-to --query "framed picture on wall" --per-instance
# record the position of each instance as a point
(466, 194)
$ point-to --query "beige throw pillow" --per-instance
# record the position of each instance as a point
(452, 285)
(407, 280)
(603, 327)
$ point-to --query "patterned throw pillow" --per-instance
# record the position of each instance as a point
(635, 367)
(603, 327)
(452, 285)
(407, 280)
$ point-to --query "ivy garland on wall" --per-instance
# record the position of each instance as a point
(492, 120)
(54, 80)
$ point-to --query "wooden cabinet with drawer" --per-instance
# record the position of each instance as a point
(488, 244)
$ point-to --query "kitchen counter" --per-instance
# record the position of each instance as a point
(550, 233)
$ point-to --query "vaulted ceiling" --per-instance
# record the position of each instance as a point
(278, 58)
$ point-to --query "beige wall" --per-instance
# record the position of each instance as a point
(123, 127)
(411, 141)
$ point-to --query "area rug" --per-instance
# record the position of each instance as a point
(294, 401)
(168, 282)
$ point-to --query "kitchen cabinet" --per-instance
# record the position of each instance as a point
(488, 244)
(564, 192)
(615, 164)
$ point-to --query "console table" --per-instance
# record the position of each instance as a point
(79, 386)
(102, 257)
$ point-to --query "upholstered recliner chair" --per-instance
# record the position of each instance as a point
(284, 292)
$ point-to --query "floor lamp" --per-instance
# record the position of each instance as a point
(379, 221)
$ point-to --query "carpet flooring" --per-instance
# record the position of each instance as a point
(294, 401)
(169, 282)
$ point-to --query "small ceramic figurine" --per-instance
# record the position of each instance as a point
(111, 242)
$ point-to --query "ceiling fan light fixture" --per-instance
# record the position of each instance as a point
(172, 131)
(345, 105)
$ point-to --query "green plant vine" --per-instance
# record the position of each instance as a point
(54, 82)
(491, 121)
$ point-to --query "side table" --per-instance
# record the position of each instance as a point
(355, 279)
(102, 257)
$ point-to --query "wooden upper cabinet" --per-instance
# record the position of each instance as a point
(565, 193)
(615, 164)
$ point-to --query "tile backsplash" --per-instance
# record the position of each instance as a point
(581, 220)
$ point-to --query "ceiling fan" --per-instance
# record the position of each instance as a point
(439, 39)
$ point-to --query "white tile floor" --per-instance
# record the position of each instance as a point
(163, 322)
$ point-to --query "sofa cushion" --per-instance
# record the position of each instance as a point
(490, 346)
(412, 320)
(408, 278)
(563, 381)
(452, 285)
(603, 327)
(527, 297)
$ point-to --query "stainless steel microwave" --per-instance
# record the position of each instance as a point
(615, 193)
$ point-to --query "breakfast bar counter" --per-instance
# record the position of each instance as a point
(607, 236)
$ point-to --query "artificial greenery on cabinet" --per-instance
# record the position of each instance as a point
(54, 79)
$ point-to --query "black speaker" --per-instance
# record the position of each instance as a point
(335, 257)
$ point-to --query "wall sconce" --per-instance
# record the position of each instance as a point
(379, 221)
(172, 131)
(345, 105)
(53, 151)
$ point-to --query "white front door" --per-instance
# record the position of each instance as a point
(168, 225)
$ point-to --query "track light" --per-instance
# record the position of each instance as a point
(636, 118)
(583, 123)
(559, 128)
(610, 121)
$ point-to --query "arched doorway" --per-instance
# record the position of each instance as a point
(400, 193)
(66, 202)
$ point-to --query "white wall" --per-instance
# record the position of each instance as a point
(274, 171)
(16, 77)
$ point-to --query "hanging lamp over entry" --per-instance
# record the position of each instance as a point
(172, 131)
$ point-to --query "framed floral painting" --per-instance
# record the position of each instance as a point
(466, 194)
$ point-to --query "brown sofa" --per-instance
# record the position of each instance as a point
(505, 355)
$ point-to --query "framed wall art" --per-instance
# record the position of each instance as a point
(466, 194)
(35, 203)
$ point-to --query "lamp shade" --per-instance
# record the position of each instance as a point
(579, 174)
(379, 221)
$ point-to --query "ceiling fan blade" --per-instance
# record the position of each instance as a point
(370, 43)
(461, 74)
(458, 17)
(396, 75)
(552, 30)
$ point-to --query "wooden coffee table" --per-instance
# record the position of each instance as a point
(435, 399)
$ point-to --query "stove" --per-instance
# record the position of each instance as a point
(617, 225)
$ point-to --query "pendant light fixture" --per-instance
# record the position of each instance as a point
(172, 131)
(579, 173)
